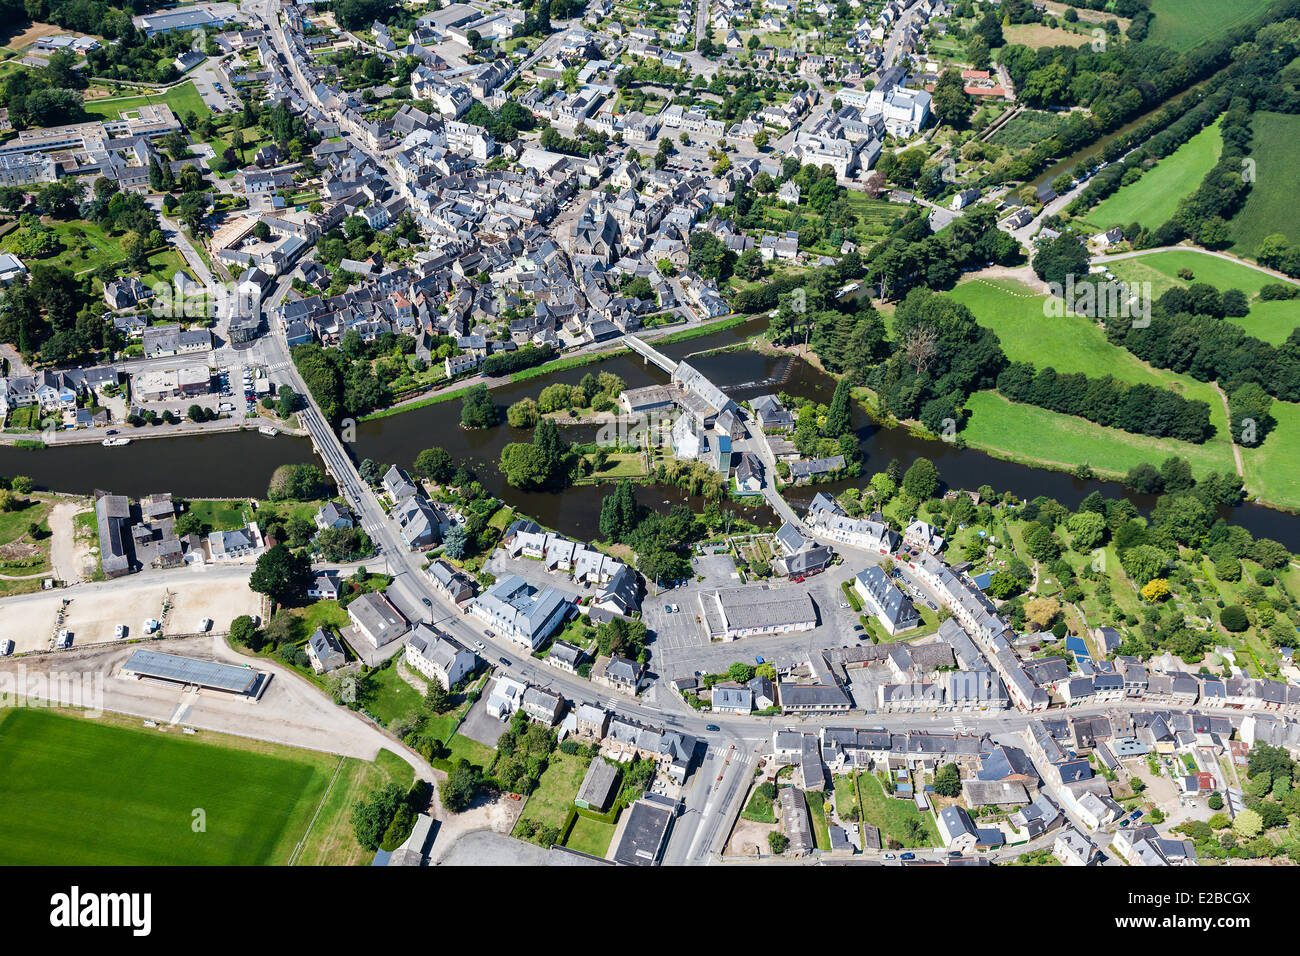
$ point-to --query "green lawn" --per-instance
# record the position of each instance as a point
(1161, 270)
(79, 792)
(1270, 321)
(331, 842)
(817, 811)
(759, 809)
(222, 515)
(1036, 435)
(1277, 182)
(387, 697)
(1271, 470)
(1182, 24)
(891, 814)
(591, 836)
(182, 99)
(551, 801)
(1152, 199)
(1071, 343)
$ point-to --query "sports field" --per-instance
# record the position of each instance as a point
(1152, 199)
(1182, 24)
(183, 100)
(1269, 204)
(75, 791)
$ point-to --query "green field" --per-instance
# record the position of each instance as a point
(1036, 435)
(1270, 321)
(79, 792)
(1271, 469)
(551, 802)
(1182, 24)
(1152, 199)
(1071, 343)
(183, 100)
(1273, 139)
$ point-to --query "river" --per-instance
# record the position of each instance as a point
(240, 464)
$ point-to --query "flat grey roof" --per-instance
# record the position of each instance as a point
(188, 670)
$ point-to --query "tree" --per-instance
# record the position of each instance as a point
(1234, 619)
(1248, 824)
(1042, 611)
(462, 786)
(372, 816)
(454, 542)
(1155, 590)
(839, 420)
(281, 575)
(1215, 801)
(950, 102)
(921, 480)
(477, 409)
(1087, 530)
(438, 698)
(1060, 257)
(21, 485)
(523, 413)
(434, 464)
(244, 632)
(947, 781)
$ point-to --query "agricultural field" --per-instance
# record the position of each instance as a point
(1268, 207)
(1027, 128)
(79, 792)
(1182, 24)
(1035, 35)
(1152, 199)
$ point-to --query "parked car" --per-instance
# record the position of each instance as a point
(119, 632)
(205, 625)
(891, 856)
(6, 647)
(478, 645)
(712, 728)
(65, 638)
(908, 856)
(505, 662)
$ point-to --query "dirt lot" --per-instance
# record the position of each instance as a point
(94, 611)
(750, 838)
(33, 33)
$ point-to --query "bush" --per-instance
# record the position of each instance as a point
(1234, 619)
(779, 842)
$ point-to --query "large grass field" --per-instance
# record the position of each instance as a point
(1152, 199)
(1036, 435)
(1270, 321)
(1069, 344)
(1182, 24)
(75, 791)
(1271, 470)
(1269, 204)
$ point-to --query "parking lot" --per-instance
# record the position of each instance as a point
(93, 612)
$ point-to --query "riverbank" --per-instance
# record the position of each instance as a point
(39, 440)
(562, 364)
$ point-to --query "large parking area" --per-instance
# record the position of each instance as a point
(93, 612)
(680, 646)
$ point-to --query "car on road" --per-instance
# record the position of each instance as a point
(857, 627)
(505, 662)
(931, 605)
(478, 645)
(908, 856)
(845, 605)
(426, 602)
(712, 728)
(488, 634)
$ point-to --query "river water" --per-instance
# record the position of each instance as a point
(241, 463)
